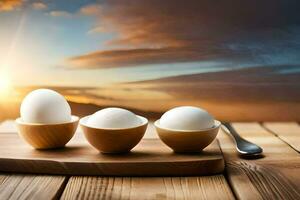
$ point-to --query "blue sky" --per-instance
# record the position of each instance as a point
(94, 43)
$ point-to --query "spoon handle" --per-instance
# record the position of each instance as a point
(232, 131)
(243, 146)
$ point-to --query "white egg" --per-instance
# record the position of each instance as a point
(186, 118)
(46, 107)
(113, 118)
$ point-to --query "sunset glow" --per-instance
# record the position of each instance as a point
(235, 60)
(5, 86)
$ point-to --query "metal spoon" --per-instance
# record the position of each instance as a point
(243, 146)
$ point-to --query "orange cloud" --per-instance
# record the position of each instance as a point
(8, 5)
(156, 31)
(233, 95)
(93, 9)
(131, 57)
(60, 13)
(39, 6)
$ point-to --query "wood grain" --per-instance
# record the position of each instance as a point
(32, 187)
(3, 177)
(274, 176)
(288, 132)
(212, 187)
(148, 158)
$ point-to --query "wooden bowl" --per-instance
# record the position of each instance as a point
(114, 140)
(47, 136)
(185, 141)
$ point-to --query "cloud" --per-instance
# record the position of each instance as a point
(9, 5)
(231, 95)
(39, 6)
(92, 9)
(142, 56)
(182, 31)
(60, 13)
(97, 29)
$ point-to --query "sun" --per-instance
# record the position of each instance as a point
(5, 85)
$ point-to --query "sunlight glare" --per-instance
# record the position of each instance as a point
(5, 85)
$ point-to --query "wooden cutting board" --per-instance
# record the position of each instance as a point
(149, 158)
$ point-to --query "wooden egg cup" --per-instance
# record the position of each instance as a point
(47, 136)
(185, 141)
(114, 140)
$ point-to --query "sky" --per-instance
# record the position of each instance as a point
(96, 43)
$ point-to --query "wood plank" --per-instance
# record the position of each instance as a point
(3, 177)
(274, 176)
(149, 158)
(32, 187)
(211, 187)
(288, 132)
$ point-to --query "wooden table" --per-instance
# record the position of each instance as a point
(274, 176)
